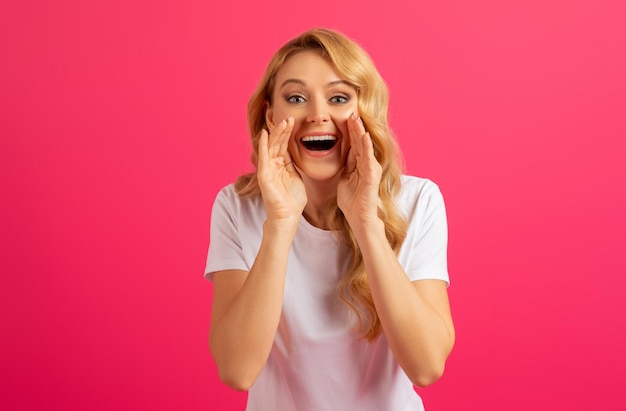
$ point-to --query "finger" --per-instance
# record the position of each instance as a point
(289, 165)
(358, 132)
(365, 154)
(284, 145)
(365, 138)
(360, 126)
(351, 161)
(371, 166)
(263, 151)
(352, 128)
(358, 144)
(274, 138)
(368, 146)
(356, 125)
(283, 142)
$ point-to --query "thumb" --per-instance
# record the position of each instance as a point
(350, 162)
(288, 162)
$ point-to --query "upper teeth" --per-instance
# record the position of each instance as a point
(319, 138)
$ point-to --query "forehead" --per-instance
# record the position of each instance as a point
(308, 66)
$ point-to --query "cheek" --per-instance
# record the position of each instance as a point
(293, 144)
(342, 123)
(280, 110)
(345, 114)
(278, 114)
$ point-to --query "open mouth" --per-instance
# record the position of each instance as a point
(319, 143)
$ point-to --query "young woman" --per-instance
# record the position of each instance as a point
(329, 265)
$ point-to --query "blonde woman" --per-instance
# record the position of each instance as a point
(329, 265)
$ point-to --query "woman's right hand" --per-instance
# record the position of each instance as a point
(282, 188)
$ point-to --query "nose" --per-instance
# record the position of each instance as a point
(318, 112)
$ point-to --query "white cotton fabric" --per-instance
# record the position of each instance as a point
(317, 363)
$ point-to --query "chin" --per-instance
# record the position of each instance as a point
(320, 174)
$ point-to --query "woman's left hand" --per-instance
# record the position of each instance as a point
(357, 192)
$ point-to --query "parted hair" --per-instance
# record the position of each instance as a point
(354, 66)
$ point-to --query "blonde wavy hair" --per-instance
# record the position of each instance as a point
(355, 66)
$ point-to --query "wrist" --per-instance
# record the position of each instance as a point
(367, 227)
(281, 228)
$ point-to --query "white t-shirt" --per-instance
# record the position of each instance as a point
(317, 363)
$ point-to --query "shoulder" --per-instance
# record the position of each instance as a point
(418, 190)
(227, 193)
(227, 196)
(414, 183)
(424, 251)
(229, 203)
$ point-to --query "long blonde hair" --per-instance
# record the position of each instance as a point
(356, 67)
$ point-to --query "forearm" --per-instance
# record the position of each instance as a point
(420, 337)
(241, 339)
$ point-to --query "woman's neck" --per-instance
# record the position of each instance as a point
(322, 199)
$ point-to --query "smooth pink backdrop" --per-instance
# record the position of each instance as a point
(121, 120)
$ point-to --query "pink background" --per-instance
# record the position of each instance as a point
(120, 121)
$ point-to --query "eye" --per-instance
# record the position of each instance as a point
(339, 99)
(296, 99)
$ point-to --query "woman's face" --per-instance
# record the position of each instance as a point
(309, 89)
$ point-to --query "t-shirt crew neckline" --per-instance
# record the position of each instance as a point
(316, 231)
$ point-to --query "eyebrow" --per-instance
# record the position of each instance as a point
(302, 83)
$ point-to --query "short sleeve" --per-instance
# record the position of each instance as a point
(425, 252)
(225, 248)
